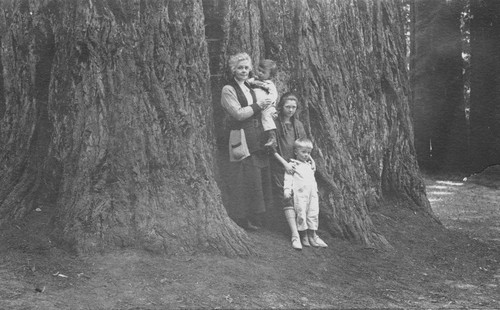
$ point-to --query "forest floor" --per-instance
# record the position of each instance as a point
(433, 266)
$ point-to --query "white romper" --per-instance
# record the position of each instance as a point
(305, 194)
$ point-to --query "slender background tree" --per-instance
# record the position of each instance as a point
(485, 91)
(438, 85)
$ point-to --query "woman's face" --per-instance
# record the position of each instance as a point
(242, 70)
(289, 108)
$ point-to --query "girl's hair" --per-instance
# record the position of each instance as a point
(269, 64)
(235, 60)
(287, 96)
(302, 143)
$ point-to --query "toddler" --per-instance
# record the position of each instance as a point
(264, 88)
(301, 188)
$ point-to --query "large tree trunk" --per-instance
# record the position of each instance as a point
(485, 90)
(108, 122)
(346, 62)
(113, 99)
(438, 104)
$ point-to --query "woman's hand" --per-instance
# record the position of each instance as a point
(265, 103)
(289, 168)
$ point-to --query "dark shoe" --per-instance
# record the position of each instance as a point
(305, 241)
(241, 222)
(258, 220)
(251, 227)
(245, 224)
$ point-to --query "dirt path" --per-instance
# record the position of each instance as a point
(471, 205)
(431, 267)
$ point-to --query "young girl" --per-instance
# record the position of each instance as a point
(302, 188)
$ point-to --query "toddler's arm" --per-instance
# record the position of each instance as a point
(257, 83)
(273, 92)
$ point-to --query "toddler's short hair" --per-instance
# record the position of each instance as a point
(269, 64)
(302, 143)
(235, 60)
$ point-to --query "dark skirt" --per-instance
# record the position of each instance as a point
(250, 191)
(278, 177)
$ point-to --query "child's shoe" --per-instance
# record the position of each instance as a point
(316, 241)
(305, 241)
(296, 243)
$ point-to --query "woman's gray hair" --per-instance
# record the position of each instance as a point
(235, 60)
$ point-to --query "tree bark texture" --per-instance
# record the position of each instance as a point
(109, 123)
(438, 102)
(345, 59)
(485, 91)
(112, 99)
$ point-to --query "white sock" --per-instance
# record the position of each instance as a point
(292, 223)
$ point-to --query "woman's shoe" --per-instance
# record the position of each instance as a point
(296, 243)
(252, 227)
(245, 224)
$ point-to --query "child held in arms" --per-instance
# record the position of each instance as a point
(301, 189)
(264, 88)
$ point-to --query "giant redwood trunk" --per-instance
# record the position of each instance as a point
(108, 118)
(345, 60)
(108, 103)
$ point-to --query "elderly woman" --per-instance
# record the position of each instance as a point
(249, 184)
(288, 129)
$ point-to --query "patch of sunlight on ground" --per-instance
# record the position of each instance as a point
(441, 193)
(450, 183)
(438, 186)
